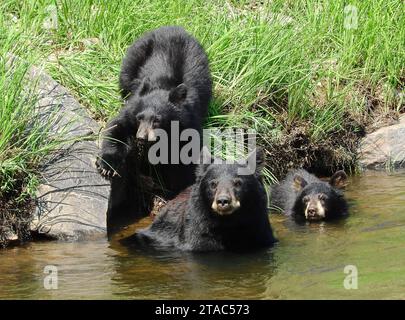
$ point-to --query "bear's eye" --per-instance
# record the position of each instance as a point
(213, 184)
(322, 197)
(237, 183)
(156, 123)
(139, 117)
(305, 199)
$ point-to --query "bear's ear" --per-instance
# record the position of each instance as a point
(258, 156)
(339, 180)
(299, 183)
(205, 160)
(178, 94)
(140, 86)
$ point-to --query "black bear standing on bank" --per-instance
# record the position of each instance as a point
(223, 210)
(304, 196)
(165, 77)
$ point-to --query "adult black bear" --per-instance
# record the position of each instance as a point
(223, 210)
(304, 196)
(164, 79)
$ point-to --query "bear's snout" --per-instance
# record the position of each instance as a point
(225, 203)
(314, 210)
(145, 132)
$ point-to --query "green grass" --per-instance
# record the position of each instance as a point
(289, 69)
(24, 140)
(276, 67)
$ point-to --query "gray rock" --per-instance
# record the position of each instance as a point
(72, 198)
(384, 147)
(10, 236)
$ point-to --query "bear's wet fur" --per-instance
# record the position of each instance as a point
(164, 77)
(305, 197)
(223, 210)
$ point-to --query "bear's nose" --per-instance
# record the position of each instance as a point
(312, 212)
(142, 133)
(141, 136)
(223, 201)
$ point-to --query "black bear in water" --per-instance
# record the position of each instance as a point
(304, 196)
(223, 210)
(164, 78)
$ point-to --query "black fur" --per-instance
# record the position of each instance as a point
(290, 200)
(164, 77)
(188, 222)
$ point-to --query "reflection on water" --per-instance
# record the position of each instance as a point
(307, 263)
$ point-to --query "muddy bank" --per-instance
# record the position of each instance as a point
(15, 219)
(372, 130)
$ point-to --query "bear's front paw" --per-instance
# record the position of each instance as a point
(108, 165)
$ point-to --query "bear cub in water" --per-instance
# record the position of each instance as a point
(223, 210)
(304, 196)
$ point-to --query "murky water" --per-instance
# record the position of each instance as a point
(308, 262)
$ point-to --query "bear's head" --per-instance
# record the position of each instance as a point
(225, 188)
(320, 200)
(155, 108)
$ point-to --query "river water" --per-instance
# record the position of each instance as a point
(308, 262)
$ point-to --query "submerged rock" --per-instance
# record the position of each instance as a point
(72, 198)
(384, 148)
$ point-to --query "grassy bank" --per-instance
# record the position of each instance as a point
(23, 140)
(306, 76)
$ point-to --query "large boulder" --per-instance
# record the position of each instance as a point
(72, 198)
(384, 147)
